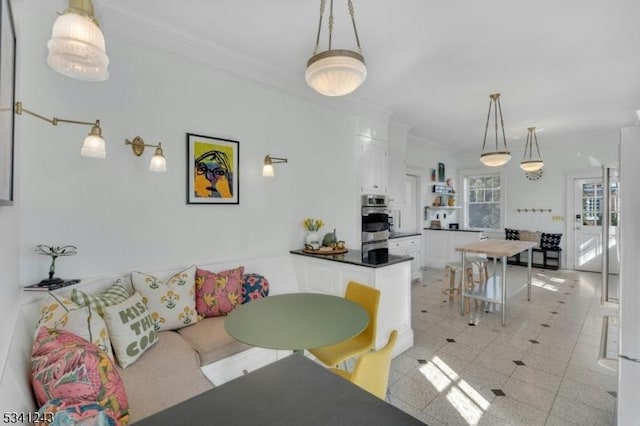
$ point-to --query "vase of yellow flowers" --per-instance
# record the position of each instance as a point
(312, 226)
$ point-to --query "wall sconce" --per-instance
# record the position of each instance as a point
(158, 163)
(93, 147)
(269, 161)
(77, 47)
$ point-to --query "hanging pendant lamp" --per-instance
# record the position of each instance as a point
(335, 72)
(77, 47)
(531, 164)
(498, 157)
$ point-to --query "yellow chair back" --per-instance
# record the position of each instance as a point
(369, 299)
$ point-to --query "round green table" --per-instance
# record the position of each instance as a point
(296, 321)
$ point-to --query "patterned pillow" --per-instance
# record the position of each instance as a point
(172, 303)
(131, 329)
(550, 241)
(115, 294)
(66, 366)
(219, 293)
(512, 234)
(62, 314)
(254, 286)
(67, 412)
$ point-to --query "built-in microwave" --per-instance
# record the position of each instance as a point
(373, 200)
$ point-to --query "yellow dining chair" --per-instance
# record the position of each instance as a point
(369, 299)
(371, 371)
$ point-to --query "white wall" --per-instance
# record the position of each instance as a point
(122, 217)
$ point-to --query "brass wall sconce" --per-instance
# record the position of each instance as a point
(158, 163)
(93, 147)
(269, 161)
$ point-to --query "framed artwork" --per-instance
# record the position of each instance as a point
(213, 166)
(7, 100)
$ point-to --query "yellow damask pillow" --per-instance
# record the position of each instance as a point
(172, 301)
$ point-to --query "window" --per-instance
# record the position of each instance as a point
(483, 200)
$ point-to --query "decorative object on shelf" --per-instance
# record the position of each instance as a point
(213, 166)
(77, 47)
(530, 164)
(451, 201)
(158, 162)
(440, 172)
(533, 210)
(308, 248)
(435, 224)
(454, 226)
(93, 147)
(498, 157)
(7, 98)
(433, 175)
(313, 237)
(55, 252)
(335, 72)
(534, 175)
(269, 161)
(330, 239)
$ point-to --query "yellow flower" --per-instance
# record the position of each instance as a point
(311, 224)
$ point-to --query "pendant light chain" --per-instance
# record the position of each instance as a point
(486, 127)
(537, 146)
(355, 30)
(504, 138)
(330, 23)
(315, 50)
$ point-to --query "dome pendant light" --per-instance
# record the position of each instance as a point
(77, 47)
(531, 164)
(498, 157)
(335, 72)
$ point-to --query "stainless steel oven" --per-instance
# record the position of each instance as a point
(375, 229)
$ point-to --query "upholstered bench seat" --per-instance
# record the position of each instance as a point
(209, 338)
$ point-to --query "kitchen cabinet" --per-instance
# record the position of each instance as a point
(397, 178)
(439, 246)
(374, 166)
(409, 246)
(323, 275)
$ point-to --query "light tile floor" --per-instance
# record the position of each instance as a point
(540, 369)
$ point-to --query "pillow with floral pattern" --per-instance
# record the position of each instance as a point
(218, 293)
(254, 286)
(171, 301)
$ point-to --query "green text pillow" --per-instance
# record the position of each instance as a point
(130, 328)
(172, 302)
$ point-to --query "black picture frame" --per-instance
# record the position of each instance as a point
(213, 170)
(7, 102)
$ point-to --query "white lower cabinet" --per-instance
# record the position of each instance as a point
(409, 246)
(439, 246)
(241, 363)
(394, 282)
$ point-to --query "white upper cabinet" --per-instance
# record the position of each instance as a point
(374, 166)
(397, 178)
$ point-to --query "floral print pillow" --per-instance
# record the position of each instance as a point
(254, 286)
(65, 366)
(172, 303)
(218, 293)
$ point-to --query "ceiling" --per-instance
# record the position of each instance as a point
(570, 67)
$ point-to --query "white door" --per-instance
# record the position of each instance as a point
(588, 225)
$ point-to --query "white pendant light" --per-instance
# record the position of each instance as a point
(531, 164)
(94, 146)
(335, 72)
(498, 157)
(77, 47)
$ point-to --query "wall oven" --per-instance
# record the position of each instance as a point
(375, 229)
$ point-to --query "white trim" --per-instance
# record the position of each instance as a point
(463, 173)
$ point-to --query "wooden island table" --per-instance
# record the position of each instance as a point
(497, 289)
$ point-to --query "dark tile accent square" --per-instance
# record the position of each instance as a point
(424, 285)
(560, 301)
(498, 392)
(554, 312)
(422, 361)
(451, 340)
(535, 342)
(471, 324)
(545, 325)
(613, 393)
(567, 293)
(424, 311)
(518, 362)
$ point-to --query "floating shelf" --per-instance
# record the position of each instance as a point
(443, 207)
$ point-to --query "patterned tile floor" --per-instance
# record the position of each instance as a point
(540, 369)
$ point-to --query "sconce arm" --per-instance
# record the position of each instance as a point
(19, 109)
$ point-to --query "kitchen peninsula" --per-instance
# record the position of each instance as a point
(330, 274)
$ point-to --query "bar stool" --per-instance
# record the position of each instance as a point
(453, 283)
(479, 263)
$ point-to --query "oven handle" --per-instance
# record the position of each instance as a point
(366, 211)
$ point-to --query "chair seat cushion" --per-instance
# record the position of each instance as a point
(212, 342)
(335, 354)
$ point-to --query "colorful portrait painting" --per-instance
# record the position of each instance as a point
(212, 170)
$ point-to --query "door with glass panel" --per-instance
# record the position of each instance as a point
(588, 225)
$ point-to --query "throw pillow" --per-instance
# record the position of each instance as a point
(131, 329)
(550, 241)
(218, 293)
(66, 366)
(512, 234)
(172, 303)
(530, 236)
(254, 286)
(115, 294)
(60, 313)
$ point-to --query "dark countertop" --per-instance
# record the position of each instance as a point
(393, 235)
(354, 257)
(455, 230)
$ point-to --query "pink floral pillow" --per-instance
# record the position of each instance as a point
(218, 293)
(66, 366)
